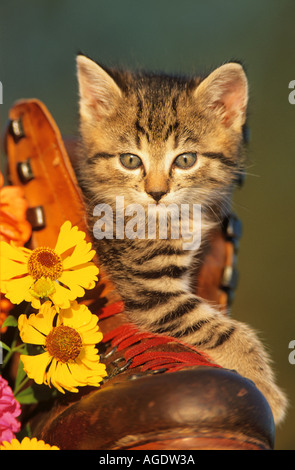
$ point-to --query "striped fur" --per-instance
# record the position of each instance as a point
(157, 118)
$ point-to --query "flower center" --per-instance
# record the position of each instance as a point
(45, 262)
(64, 343)
(43, 287)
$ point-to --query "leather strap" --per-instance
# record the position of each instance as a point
(38, 161)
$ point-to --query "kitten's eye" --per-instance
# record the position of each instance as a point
(185, 160)
(130, 161)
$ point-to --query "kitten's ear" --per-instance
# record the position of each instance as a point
(98, 92)
(225, 91)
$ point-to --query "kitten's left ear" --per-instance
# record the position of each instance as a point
(225, 91)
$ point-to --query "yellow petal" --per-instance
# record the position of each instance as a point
(68, 237)
(91, 360)
(79, 373)
(61, 378)
(27, 444)
(14, 444)
(89, 324)
(33, 330)
(76, 316)
(35, 366)
(72, 280)
(46, 316)
(88, 353)
(91, 337)
(84, 375)
(41, 445)
(35, 302)
(84, 276)
(90, 376)
(10, 269)
(81, 319)
(69, 376)
(17, 290)
(82, 254)
(49, 374)
(62, 297)
(28, 333)
(14, 253)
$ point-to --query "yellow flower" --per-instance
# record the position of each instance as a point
(60, 274)
(27, 444)
(68, 337)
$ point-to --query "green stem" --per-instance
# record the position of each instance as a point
(14, 349)
(11, 352)
(20, 386)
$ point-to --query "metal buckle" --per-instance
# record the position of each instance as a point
(25, 171)
(36, 217)
(15, 128)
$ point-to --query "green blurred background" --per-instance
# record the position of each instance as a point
(38, 44)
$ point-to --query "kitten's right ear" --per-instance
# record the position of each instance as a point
(98, 92)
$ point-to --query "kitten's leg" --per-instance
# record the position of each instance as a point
(229, 343)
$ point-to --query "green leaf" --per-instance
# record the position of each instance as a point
(21, 374)
(4, 346)
(10, 321)
(26, 396)
(36, 394)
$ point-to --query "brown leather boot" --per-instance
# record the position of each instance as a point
(160, 393)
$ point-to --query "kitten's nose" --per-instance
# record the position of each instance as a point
(157, 195)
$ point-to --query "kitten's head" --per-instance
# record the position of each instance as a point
(154, 138)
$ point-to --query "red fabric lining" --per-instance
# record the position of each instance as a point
(119, 334)
(145, 346)
(139, 336)
(111, 309)
(146, 352)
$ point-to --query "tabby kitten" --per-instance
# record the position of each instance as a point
(157, 139)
